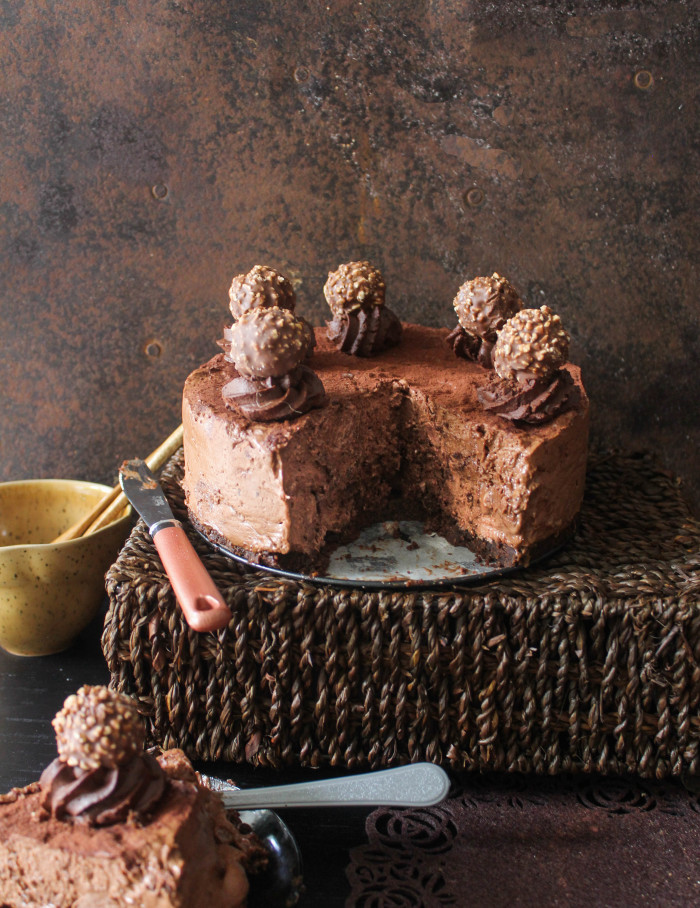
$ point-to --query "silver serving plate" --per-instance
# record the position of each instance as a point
(393, 555)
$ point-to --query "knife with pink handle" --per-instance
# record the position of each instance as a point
(201, 602)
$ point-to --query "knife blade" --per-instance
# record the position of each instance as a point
(201, 602)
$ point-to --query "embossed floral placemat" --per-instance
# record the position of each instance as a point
(531, 841)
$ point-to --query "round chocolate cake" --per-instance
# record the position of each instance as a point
(488, 451)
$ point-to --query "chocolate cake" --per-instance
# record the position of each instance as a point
(108, 825)
(481, 432)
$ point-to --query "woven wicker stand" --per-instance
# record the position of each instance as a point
(590, 661)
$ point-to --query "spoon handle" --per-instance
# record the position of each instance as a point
(415, 785)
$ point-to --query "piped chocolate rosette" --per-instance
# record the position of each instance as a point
(362, 325)
(483, 305)
(531, 386)
(101, 775)
(267, 348)
(263, 288)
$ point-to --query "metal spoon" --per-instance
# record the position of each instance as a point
(281, 885)
(415, 785)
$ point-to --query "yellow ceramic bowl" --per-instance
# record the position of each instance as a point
(50, 592)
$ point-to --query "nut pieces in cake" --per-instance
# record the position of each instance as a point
(362, 325)
(261, 288)
(406, 434)
(145, 832)
(98, 727)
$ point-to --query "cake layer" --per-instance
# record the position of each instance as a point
(402, 434)
(185, 854)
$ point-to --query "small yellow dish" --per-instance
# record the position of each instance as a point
(49, 592)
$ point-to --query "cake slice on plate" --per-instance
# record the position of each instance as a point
(108, 825)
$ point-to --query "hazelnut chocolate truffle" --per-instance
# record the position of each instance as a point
(267, 343)
(261, 288)
(531, 346)
(361, 325)
(354, 286)
(267, 347)
(98, 728)
(484, 304)
(102, 774)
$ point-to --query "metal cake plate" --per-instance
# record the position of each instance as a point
(393, 555)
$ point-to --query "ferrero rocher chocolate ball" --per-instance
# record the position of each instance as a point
(98, 727)
(484, 304)
(261, 288)
(531, 346)
(267, 343)
(354, 286)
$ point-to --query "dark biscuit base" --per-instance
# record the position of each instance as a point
(487, 552)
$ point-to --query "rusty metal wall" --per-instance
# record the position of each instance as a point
(151, 149)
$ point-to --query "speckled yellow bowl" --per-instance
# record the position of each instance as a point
(49, 593)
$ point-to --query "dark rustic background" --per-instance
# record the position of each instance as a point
(151, 149)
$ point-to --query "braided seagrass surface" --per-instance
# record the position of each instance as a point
(588, 662)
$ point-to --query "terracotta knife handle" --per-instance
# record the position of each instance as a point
(201, 602)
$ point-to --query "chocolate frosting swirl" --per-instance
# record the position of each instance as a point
(470, 346)
(102, 796)
(361, 333)
(273, 399)
(535, 402)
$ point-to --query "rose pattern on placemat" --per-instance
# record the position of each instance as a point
(615, 795)
(429, 829)
(427, 858)
(399, 883)
(485, 788)
(403, 867)
(393, 878)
